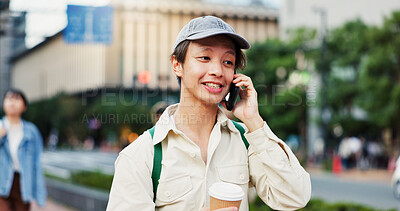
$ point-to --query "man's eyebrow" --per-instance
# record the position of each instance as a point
(205, 49)
(231, 52)
(209, 49)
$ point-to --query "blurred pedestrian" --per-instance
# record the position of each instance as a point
(21, 175)
(198, 145)
(344, 152)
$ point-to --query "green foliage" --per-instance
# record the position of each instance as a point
(69, 115)
(347, 44)
(270, 64)
(119, 110)
(95, 179)
(61, 112)
(285, 112)
(380, 78)
(263, 60)
(364, 73)
(302, 37)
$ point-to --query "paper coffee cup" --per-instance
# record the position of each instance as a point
(224, 195)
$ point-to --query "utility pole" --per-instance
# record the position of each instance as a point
(317, 133)
(323, 68)
(12, 42)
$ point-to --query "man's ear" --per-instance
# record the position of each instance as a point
(176, 66)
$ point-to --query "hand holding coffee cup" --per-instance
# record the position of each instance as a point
(224, 195)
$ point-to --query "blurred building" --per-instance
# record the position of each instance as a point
(12, 42)
(143, 36)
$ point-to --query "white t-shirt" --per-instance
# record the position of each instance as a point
(15, 134)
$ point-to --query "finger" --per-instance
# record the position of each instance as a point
(242, 83)
(240, 77)
(246, 83)
(242, 93)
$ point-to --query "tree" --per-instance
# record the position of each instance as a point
(380, 77)
(271, 65)
(346, 47)
(61, 112)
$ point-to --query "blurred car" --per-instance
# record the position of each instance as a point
(396, 180)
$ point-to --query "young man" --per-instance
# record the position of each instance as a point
(200, 145)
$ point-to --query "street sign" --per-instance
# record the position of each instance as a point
(89, 24)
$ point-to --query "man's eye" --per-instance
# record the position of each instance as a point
(204, 58)
(228, 62)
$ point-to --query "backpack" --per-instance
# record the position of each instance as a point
(155, 176)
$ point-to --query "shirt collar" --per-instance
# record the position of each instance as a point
(166, 123)
(6, 124)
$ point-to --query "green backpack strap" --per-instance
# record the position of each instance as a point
(157, 158)
(242, 131)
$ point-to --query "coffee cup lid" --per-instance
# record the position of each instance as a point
(226, 191)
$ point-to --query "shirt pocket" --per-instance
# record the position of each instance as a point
(234, 173)
(173, 190)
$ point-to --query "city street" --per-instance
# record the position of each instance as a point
(360, 188)
(371, 192)
(61, 163)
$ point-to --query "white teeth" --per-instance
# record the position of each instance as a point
(212, 85)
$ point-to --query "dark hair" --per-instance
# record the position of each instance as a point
(181, 49)
(16, 92)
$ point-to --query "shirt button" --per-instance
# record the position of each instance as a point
(241, 177)
(224, 124)
(168, 194)
(192, 154)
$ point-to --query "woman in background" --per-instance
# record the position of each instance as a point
(21, 145)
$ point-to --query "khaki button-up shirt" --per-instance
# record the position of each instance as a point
(268, 164)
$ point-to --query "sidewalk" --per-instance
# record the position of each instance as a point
(371, 175)
(51, 206)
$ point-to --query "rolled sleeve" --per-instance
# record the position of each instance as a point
(280, 180)
(132, 186)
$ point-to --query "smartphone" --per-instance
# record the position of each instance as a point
(230, 98)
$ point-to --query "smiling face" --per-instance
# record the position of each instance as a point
(208, 69)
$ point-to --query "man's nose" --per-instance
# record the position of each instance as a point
(215, 69)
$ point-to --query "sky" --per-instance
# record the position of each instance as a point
(47, 17)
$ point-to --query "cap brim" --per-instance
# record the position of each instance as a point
(240, 41)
